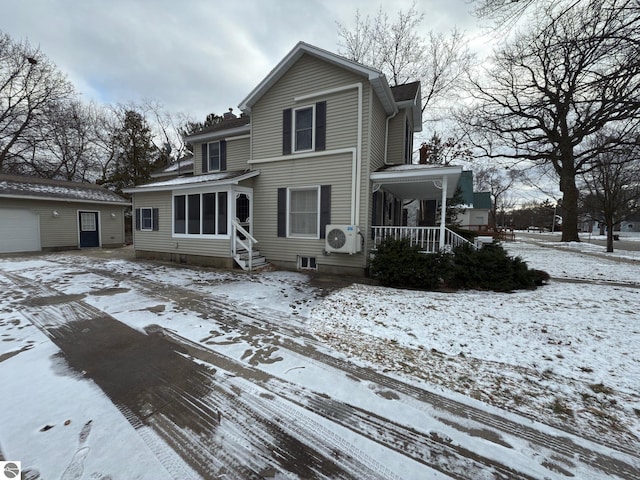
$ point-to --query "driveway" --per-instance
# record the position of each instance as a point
(248, 397)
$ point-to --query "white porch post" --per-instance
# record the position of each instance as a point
(443, 210)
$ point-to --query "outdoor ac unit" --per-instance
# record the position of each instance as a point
(343, 239)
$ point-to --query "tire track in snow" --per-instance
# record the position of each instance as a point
(182, 415)
(300, 342)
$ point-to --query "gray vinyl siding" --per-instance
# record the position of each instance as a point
(197, 158)
(308, 75)
(332, 170)
(58, 232)
(162, 240)
(378, 142)
(237, 153)
(395, 149)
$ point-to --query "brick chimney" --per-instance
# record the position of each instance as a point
(229, 115)
(424, 153)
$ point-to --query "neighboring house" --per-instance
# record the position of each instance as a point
(40, 214)
(182, 167)
(631, 224)
(313, 174)
(476, 205)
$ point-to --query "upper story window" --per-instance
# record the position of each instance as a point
(304, 128)
(214, 156)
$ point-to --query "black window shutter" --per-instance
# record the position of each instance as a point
(155, 219)
(321, 125)
(137, 219)
(223, 155)
(282, 212)
(205, 158)
(325, 208)
(286, 131)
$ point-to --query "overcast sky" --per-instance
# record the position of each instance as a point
(192, 56)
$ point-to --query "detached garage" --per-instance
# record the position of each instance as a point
(40, 214)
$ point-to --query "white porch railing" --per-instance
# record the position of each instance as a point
(428, 238)
(238, 244)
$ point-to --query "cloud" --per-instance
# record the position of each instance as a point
(191, 56)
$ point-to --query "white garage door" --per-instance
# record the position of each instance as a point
(19, 230)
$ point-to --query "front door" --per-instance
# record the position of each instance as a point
(243, 210)
(89, 234)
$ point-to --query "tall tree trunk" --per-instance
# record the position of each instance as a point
(569, 205)
(609, 235)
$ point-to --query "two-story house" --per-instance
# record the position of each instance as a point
(312, 174)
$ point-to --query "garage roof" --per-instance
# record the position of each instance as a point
(13, 186)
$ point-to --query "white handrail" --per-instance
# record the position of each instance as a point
(427, 238)
(247, 246)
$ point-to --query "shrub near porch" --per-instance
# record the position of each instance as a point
(399, 264)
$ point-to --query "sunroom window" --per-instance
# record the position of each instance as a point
(200, 214)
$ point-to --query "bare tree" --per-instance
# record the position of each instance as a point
(555, 87)
(613, 188)
(444, 152)
(68, 148)
(30, 87)
(404, 54)
(498, 182)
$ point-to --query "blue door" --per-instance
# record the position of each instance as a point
(89, 234)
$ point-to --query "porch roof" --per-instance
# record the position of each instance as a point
(418, 182)
(208, 180)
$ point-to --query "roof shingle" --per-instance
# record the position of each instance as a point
(33, 187)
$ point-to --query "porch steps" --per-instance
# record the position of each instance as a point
(258, 262)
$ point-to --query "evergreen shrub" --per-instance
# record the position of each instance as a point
(398, 264)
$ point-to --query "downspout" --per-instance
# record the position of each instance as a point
(386, 137)
(356, 215)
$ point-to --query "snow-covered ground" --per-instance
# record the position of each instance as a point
(565, 354)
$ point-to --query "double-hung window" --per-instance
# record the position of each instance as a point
(304, 212)
(304, 209)
(146, 219)
(200, 214)
(214, 156)
(303, 129)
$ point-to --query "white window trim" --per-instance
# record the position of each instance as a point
(300, 236)
(313, 128)
(186, 193)
(142, 228)
(209, 169)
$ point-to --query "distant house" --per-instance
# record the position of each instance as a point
(40, 214)
(312, 175)
(182, 167)
(631, 224)
(476, 205)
